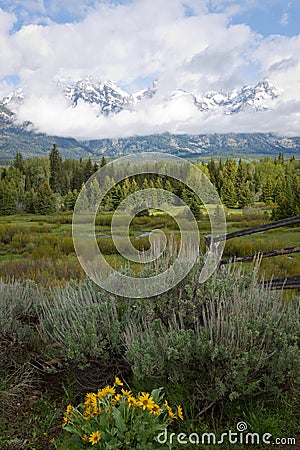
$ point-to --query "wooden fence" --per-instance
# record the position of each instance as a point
(276, 283)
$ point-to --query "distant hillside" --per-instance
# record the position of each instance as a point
(204, 144)
(14, 138)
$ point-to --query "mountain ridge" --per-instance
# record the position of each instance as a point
(107, 98)
(110, 99)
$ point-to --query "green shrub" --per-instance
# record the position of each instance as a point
(19, 320)
(234, 340)
(84, 322)
(7, 232)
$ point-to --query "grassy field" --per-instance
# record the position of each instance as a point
(41, 247)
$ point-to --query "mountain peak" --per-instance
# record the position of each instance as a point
(107, 98)
(14, 99)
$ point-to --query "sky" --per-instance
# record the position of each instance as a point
(197, 45)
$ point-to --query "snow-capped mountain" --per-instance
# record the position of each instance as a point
(111, 99)
(6, 115)
(258, 98)
(107, 98)
(14, 98)
(149, 92)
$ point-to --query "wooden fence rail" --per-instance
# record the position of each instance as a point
(251, 230)
(282, 283)
(278, 283)
(281, 251)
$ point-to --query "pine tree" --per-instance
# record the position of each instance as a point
(116, 195)
(88, 169)
(213, 171)
(195, 209)
(94, 194)
(126, 189)
(285, 201)
(8, 198)
(268, 191)
(107, 202)
(245, 196)
(103, 161)
(280, 158)
(241, 174)
(18, 162)
(45, 201)
(78, 178)
(55, 169)
(228, 194)
(70, 200)
(30, 201)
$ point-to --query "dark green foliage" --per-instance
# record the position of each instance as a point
(88, 169)
(8, 198)
(103, 161)
(55, 169)
(245, 195)
(273, 182)
(18, 162)
(45, 202)
(70, 200)
(228, 193)
(268, 191)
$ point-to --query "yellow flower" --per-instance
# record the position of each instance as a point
(94, 402)
(96, 411)
(131, 401)
(117, 398)
(110, 390)
(87, 413)
(155, 409)
(118, 382)
(65, 421)
(94, 437)
(85, 437)
(69, 409)
(179, 412)
(145, 401)
(52, 441)
(89, 399)
(169, 409)
(126, 393)
(101, 393)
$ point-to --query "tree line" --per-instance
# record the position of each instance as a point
(45, 185)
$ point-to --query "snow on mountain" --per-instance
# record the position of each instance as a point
(108, 99)
(111, 99)
(149, 92)
(258, 98)
(13, 99)
(6, 115)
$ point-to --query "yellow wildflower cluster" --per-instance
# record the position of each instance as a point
(104, 401)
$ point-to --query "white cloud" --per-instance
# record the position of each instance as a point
(284, 19)
(181, 43)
